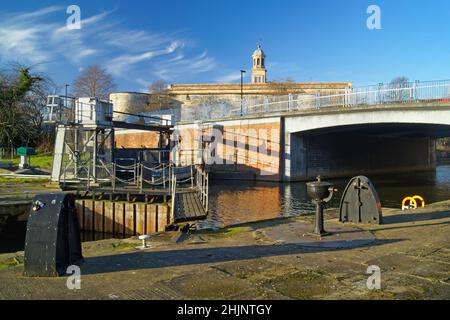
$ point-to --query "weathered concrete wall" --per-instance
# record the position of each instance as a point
(239, 148)
(136, 139)
(129, 102)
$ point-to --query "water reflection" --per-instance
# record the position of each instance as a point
(234, 202)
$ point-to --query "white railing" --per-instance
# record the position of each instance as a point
(383, 94)
(406, 93)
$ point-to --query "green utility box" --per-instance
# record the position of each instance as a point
(26, 151)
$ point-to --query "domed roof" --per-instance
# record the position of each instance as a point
(258, 51)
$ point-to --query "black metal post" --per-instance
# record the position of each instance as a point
(242, 91)
(319, 229)
(60, 111)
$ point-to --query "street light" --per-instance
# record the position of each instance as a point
(242, 91)
(60, 111)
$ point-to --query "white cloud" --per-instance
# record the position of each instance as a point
(42, 36)
(174, 69)
(122, 63)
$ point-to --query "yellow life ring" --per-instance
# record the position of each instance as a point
(412, 202)
(416, 197)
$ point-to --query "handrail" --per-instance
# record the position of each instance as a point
(143, 116)
(408, 92)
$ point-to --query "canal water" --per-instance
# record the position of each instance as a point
(235, 202)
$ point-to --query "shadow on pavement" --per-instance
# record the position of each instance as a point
(180, 257)
(415, 217)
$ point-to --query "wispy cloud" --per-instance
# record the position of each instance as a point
(122, 63)
(230, 77)
(42, 36)
(180, 66)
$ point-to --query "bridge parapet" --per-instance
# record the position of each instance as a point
(411, 93)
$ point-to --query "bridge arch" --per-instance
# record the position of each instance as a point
(323, 119)
(341, 144)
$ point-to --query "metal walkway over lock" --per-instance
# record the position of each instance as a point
(85, 159)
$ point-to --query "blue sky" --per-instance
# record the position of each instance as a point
(204, 41)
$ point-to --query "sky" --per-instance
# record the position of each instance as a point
(209, 41)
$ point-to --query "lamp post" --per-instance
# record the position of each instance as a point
(242, 91)
(60, 111)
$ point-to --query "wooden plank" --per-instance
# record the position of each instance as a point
(109, 220)
(98, 216)
(129, 219)
(197, 209)
(118, 218)
(152, 218)
(163, 216)
(140, 218)
(195, 201)
(189, 209)
(88, 214)
(192, 205)
(200, 211)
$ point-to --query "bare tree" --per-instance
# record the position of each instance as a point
(399, 82)
(159, 95)
(94, 81)
(400, 86)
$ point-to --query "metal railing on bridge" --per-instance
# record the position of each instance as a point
(383, 94)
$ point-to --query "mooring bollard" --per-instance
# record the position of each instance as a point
(321, 192)
(144, 239)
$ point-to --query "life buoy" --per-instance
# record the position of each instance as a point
(416, 197)
(412, 203)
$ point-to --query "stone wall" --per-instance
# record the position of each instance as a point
(135, 139)
(233, 148)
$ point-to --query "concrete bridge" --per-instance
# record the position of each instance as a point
(366, 131)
